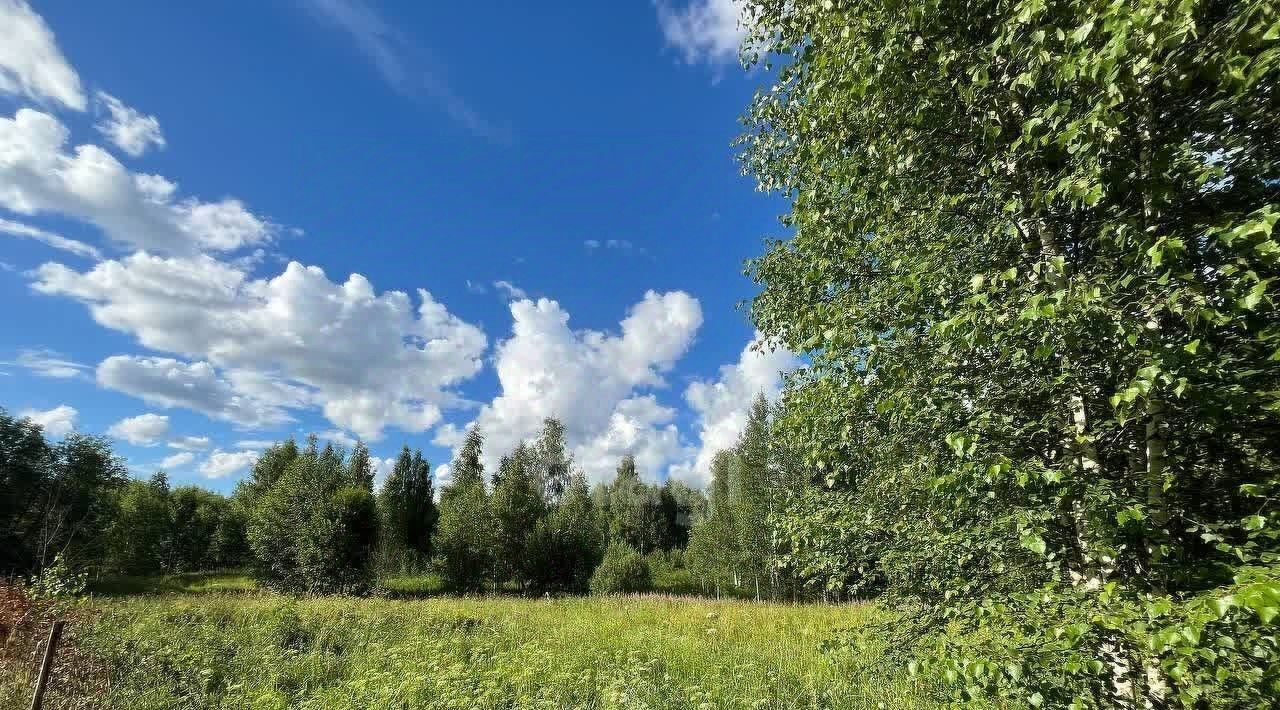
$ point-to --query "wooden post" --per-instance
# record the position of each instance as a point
(55, 634)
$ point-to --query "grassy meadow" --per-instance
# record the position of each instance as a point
(213, 642)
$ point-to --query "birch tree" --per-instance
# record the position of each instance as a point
(1032, 264)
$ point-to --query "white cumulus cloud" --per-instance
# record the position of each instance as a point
(166, 382)
(221, 464)
(590, 381)
(382, 468)
(31, 65)
(56, 422)
(263, 346)
(721, 405)
(38, 175)
(142, 430)
(127, 128)
(192, 443)
(177, 460)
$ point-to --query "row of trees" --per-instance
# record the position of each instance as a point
(1033, 264)
(538, 526)
(185, 529)
(307, 518)
(74, 499)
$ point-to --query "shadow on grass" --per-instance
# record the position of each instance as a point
(411, 586)
(225, 582)
(407, 587)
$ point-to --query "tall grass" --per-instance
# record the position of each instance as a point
(263, 651)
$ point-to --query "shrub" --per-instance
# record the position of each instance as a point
(565, 547)
(58, 581)
(336, 549)
(623, 570)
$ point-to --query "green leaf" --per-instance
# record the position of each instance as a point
(1252, 300)
(1222, 605)
(1082, 32)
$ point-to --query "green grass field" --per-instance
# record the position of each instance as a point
(203, 642)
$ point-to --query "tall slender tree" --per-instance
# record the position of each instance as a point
(751, 497)
(517, 507)
(360, 467)
(467, 526)
(552, 461)
(407, 508)
(634, 509)
(714, 551)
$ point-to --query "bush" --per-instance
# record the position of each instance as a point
(335, 552)
(622, 571)
(565, 547)
(59, 581)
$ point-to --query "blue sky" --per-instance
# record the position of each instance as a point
(240, 221)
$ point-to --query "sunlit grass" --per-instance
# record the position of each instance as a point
(656, 651)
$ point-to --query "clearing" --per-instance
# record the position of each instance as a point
(215, 642)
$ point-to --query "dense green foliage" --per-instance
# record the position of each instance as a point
(566, 545)
(539, 528)
(1033, 267)
(734, 548)
(55, 498)
(306, 520)
(312, 523)
(466, 539)
(408, 512)
(74, 499)
(186, 529)
(518, 505)
(623, 570)
(645, 516)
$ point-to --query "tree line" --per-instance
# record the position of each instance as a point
(307, 519)
(74, 500)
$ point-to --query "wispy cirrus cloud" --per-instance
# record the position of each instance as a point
(47, 363)
(510, 291)
(622, 246)
(57, 241)
(127, 128)
(403, 64)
